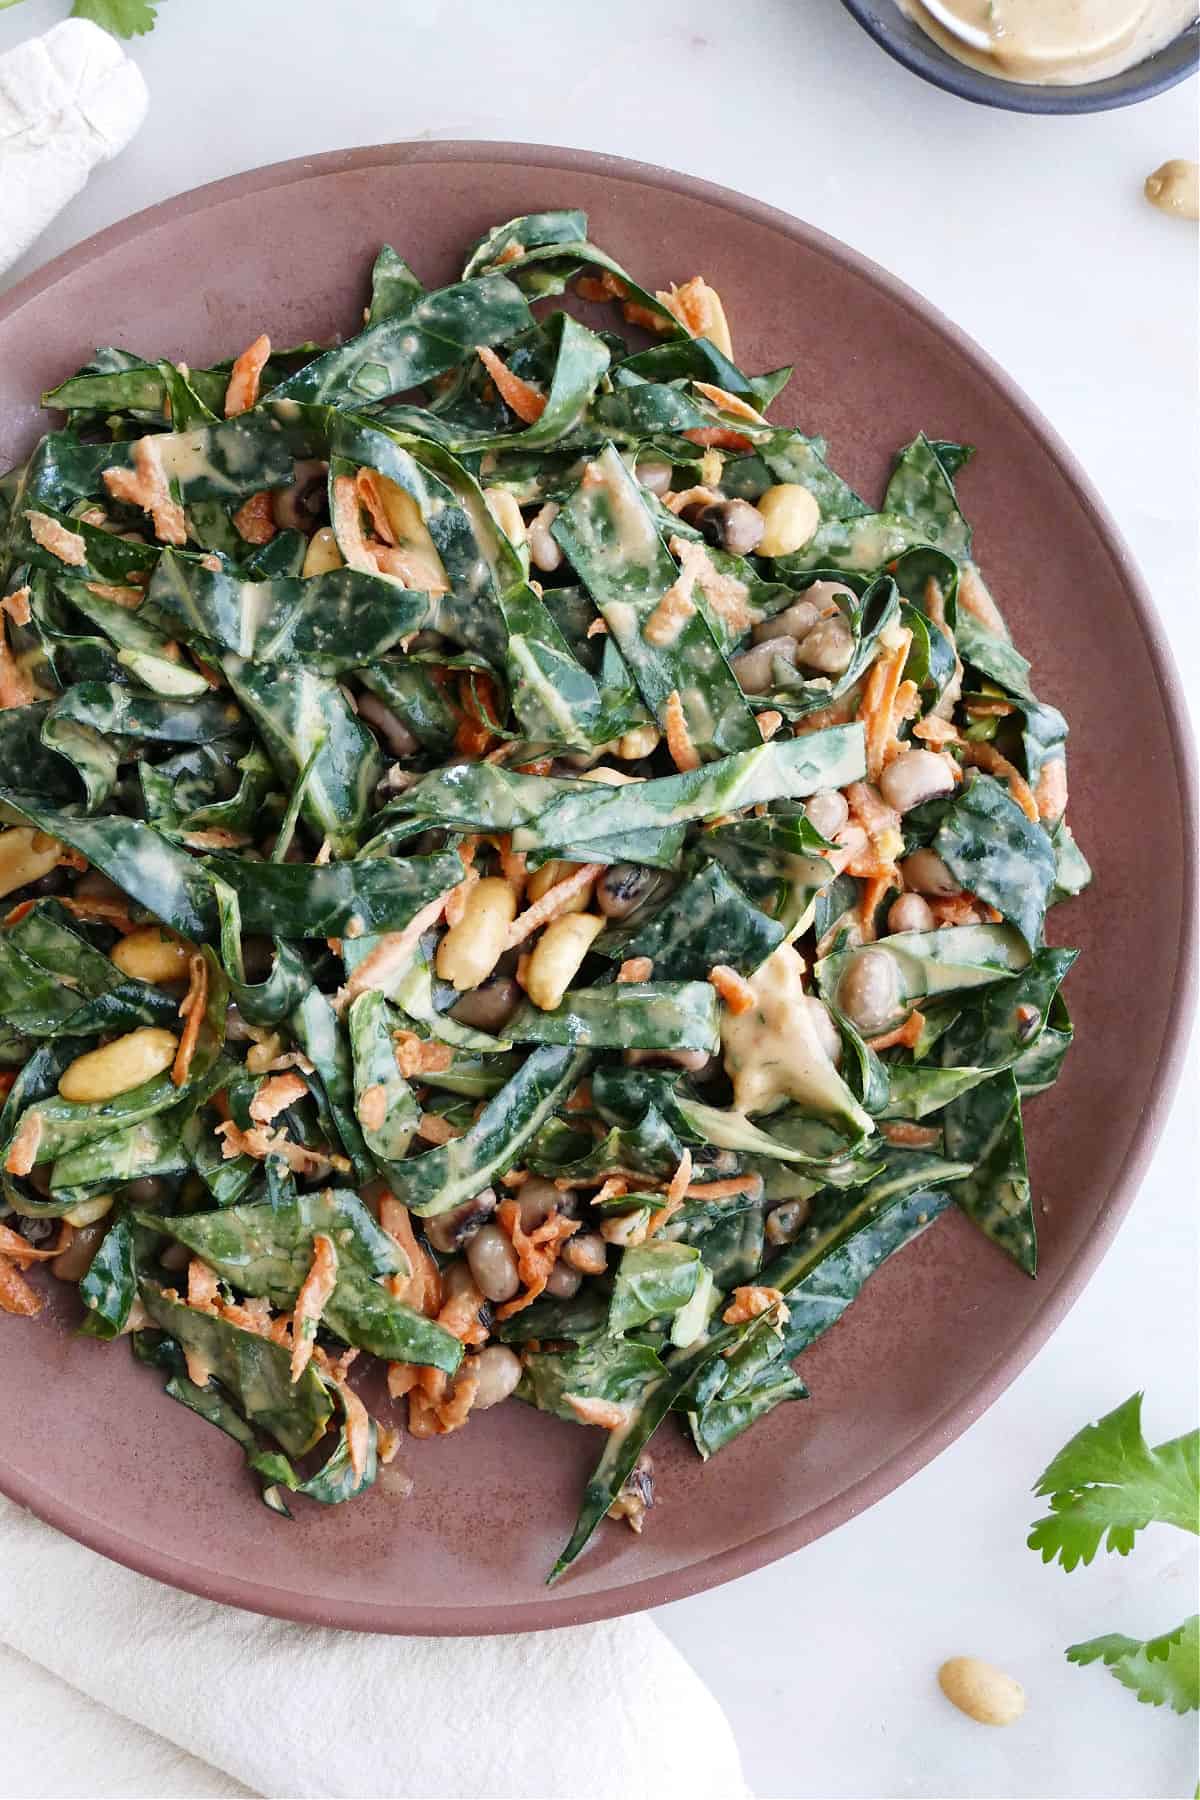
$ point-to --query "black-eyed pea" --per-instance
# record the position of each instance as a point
(795, 621)
(154, 954)
(869, 990)
(586, 1252)
(828, 647)
(827, 811)
(115, 1068)
(641, 741)
(544, 552)
(557, 956)
(498, 1369)
(792, 516)
(73, 1263)
(493, 1263)
(26, 855)
(911, 912)
(563, 1282)
(755, 668)
(985, 1693)
(914, 777)
(924, 872)
(471, 949)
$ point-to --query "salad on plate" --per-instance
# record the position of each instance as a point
(514, 873)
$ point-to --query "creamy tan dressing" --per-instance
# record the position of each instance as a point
(773, 1051)
(1174, 188)
(1053, 42)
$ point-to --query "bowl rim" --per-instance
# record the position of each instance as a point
(926, 59)
(559, 1607)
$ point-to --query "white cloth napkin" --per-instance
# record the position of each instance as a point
(610, 1711)
(68, 100)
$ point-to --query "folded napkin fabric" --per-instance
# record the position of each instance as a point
(609, 1711)
(69, 99)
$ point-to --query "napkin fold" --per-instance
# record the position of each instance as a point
(69, 99)
(597, 1712)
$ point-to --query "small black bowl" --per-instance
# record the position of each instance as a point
(908, 44)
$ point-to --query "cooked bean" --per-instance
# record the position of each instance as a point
(828, 647)
(827, 1033)
(25, 855)
(563, 1281)
(456, 1276)
(147, 1190)
(755, 669)
(914, 777)
(493, 1263)
(623, 887)
(587, 1252)
(152, 953)
(558, 955)
(258, 958)
(911, 912)
(544, 552)
(175, 1256)
(537, 1199)
(322, 554)
(471, 949)
(827, 811)
(449, 1231)
(490, 1006)
(869, 990)
(298, 507)
(126, 1063)
(786, 1222)
(236, 1028)
(925, 873)
(655, 475)
(642, 740)
(696, 1062)
(498, 1370)
(73, 1263)
(84, 1212)
(394, 732)
(795, 621)
(732, 525)
(93, 885)
(791, 515)
(504, 509)
(986, 1694)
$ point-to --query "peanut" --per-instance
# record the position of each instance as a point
(984, 1693)
(126, 1063)
(152, 954)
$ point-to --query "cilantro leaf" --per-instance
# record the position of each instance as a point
(1160, 1671)
(124, 18)
(1107, 1483)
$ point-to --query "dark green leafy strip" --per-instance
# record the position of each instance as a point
(78, 724)
(623, 1447)
(266, 1249)
(160, 1352)
(438, 330)
(319, 1033)
(610, 537)
(615, 1369)
(299, 715)
(151, 1147)
(995, 852)
(707, 920)
(266, 1002)
(723, 1420)
(22, 752)
(998, 1026)
(109, 558)
(796, 695)
(395, 289)
(789, 769)
(554, 697)
(306, 900)
(984, 1128)
(653, 1280)
(675, 1015)
(147, 866)
(580, 360)
(331, 622)
(931, 963)
(109, 1288)
(378, 1083)
(528, 232)
(439, 1179)
(921, 489)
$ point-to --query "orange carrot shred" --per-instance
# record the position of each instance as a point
(521, 397)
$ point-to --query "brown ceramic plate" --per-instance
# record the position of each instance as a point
(89, 1441)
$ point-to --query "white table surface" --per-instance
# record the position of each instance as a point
(1032, 234)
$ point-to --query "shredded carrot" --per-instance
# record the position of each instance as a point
(51, 534)
(962, 909)
(635, 968)
(698, 308)
(768, 724)
(241, 392)
(677, 1188)
(878, 700)
(908, 1135)
(392, 954)
(370, 495)
(726, 1189)
(146, 485)
(610, 1415)
(873, 889)
(751, 1302)
(679, 739)
(191, 1009)
(445, 1409)
(276, 1094)
(537, 1251)
(358, 1428)
(521, 397)
(402, 1378)
(733, 988)
(555, 900)
(420, 1056)
(315, 1291)
(989, 759)
(203, 1289)
(16, 1295)
(22, 1252)
(422, 1286)
(907, 1034)
(1051, 790)
(935, 731)
(22, 1152)
(605, 287)
(16, 605)
(988, 709)
(477, 701)
(16, 689)
(254, 520)
(436, 1130)
(718, 437)
(729, 403)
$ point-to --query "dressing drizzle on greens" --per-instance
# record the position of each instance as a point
(513, 869)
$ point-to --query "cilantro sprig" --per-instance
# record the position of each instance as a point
(1104, 1487)
(124, 18)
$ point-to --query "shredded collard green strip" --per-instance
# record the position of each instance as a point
(403, 838)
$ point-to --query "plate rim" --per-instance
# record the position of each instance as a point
(558, 1607)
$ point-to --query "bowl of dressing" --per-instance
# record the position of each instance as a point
(1040, 56)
